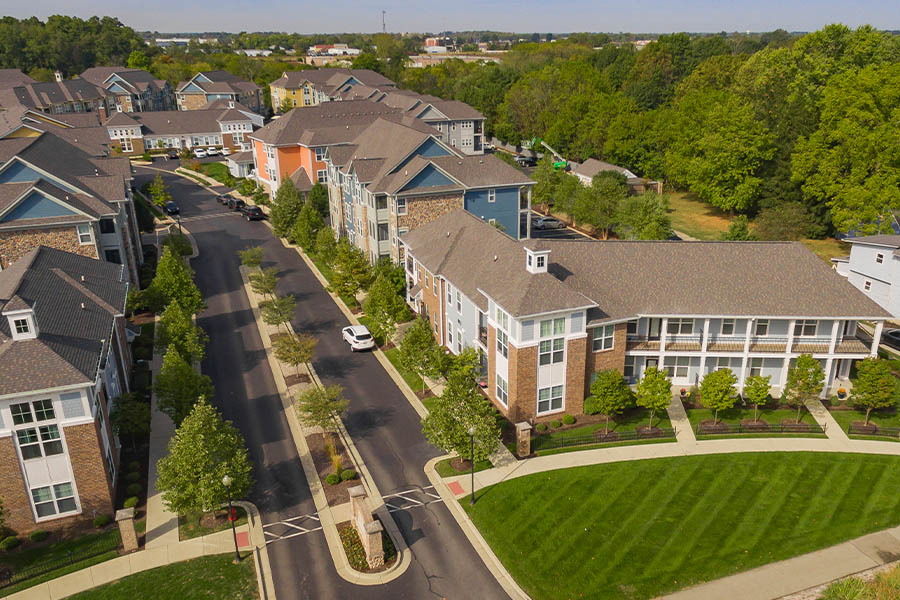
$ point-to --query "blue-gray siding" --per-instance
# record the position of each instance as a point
(505, 209)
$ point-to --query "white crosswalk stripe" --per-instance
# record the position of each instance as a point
(411, 498)
(213, 216)
(289, 528)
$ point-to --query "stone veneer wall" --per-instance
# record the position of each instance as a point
(17, 243)
(193, 101)
(522, 383)
(425, 209)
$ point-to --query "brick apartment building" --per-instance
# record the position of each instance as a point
(133, 90)
(56, 97)
(206, 86)
(64, 357)
(546, 315)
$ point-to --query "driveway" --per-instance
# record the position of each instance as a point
(385, 428)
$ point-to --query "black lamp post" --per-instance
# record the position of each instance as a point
(226, 481)
(472, 458)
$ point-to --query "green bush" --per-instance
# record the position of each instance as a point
(130, 502)
(134, 465)
(134, 489)
(133, 477)
(38, 535)
(555, 424)
(142, 353)
(179, 244)
(568, 419)
(5, 532)
(102, 521)
(540, 427)
(348, 474)
(9, 543)
(146, 156)
(332, 479)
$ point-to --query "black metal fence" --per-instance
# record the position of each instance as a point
(10, 577)
(751, 428)
(546, 442)
(887, 432)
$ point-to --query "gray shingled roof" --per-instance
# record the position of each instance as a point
(630, 278)
(891, 241)
(177, 122)
(339, 121)
(71, 340)
(45, 94)
(220, 82)
(301, 180)
(13, 77)
(331, 77)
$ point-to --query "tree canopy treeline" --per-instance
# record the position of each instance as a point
(804, 128)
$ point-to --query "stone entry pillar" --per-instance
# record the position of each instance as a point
(125, 519)
(368, 528)
(523, 439)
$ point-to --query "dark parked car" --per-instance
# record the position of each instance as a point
(172, 154)
(891, 337)
(235, 204)
(253, 213)
(526, 161)
(223, 198)
(171, 208)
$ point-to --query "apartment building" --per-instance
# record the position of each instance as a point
(873, 268)
(314, 86)
(397, 175)
(206, 86)
(58, 97)
(79, 129)
(133, 90)
(53, 193)
(65, 358)
(546, 315)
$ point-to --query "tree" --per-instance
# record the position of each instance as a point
(130, 416)
(307, 227)
(459, 409)
(644, 217)
(203, 451)
(785, 221)
(279, 310)
(385, 307)
(173, 281)
(252, 257)
(393, 272)
(367, 60)
(285, 106)
(875, 385)
(286, 208)
(466, 364)
(610, 395)
(351, 270)
(418, 350)
(295, 350)
(138, 59)
(739, 231)
(654, 392)
(805, 381)
(548, 180)
(265, 281)
(178, 387)
(320, 407)
(717, 391)
(598, 204)
(159, 191)
(326, 245)
(177, 330)
(756, 392)
(318, 199)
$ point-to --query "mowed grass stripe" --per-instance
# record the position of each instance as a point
(644, 528)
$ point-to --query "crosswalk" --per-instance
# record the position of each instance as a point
(411, 498)
(212, 216)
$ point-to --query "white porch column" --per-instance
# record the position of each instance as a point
(790, 342)
(528, 213)
(876, 338)
(835, 328)
(663, 329)
(829, 378)
(784, 373)
(742, 377)
(705, 336)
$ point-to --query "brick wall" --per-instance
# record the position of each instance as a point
(12, 489)
(192, 101)
(575, 375)
(433, 304)
(522, 383)
(607, 359)
(15, 244)
(424, 209)
(86, 455)
(492, 368)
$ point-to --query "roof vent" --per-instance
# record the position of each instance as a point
(82, 306)
(480, 162)
(82, 277)
(448, 234)
(495, 260)
(97, 172)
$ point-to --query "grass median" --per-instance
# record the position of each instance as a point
(644, 528)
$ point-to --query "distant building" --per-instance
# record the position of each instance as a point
(873, 267)
(586, 171)
(134, 90)
(207, 86)
(313, 86)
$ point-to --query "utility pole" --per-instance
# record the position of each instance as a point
(383, 27)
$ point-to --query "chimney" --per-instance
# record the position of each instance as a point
(57, 75)
(101, 110)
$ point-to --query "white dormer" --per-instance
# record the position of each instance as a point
(536, 260)
(22, 322)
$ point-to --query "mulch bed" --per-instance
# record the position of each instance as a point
(611, 436)
(356, 554)
(338, 493)
(295, 378)
(461, 465)
(710, 425)
(795, 425)
(647, 431)
(426, 394)
(754, 425)
(870, 428)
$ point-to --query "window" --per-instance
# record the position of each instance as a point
(31, 441)
(805, 328)
(43, 410)
(553, 327)
(492, 195)
(458, 302)
(762, 327)
(449, 294)
(21, 414)
(60, 500)
(502, 342)
(21, 325)
(322, 175)
(756, 365)
(677, 366)
(550, 399)
(401, 206)
(126, 145)
(540, 262)
(502, 391)
(867, 285)
(628, 370)
(723, 362)
(434, 288)
(449, 332)
(502, 319)
(551, 351)
(680, 327)
(879, 258)
(631, 327)
(320, 153)
(84, 234)
(453, 142)
(727, 326)
(603, 337)
(113, 256)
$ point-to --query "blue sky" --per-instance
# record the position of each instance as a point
(507, 15)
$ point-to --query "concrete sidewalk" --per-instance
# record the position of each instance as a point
(162, 524)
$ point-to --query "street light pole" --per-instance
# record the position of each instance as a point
(472, 458)
(226, 481)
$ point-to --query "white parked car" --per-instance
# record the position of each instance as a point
(212, 152)
(547, 223)
(199, 153)
(358, 337)
(226, 151)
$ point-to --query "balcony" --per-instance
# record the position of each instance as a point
(483, 336)
(725, 344)
(768, 344)
(639, 342)
(684, 343)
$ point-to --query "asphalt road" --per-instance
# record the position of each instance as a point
(383, 425)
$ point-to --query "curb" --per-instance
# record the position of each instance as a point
(326, 516)
(472, 534)
(260, 551)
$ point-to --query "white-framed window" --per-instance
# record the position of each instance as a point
(37, 442)
(551, 351)
(320, 153)
(126, 145)
(879, 258)
(603, 337)
(723, 362)
(21, 326)
(631, 327)
(628, 369)
(550, 399)
(502, 391)
(453, 142)
(550, 327)
(502, 319)
(540, 261)
(51, 500)
(322, 175)
(502, 343)
(401, 206)
(434, 284)
(756, 365)
(677, 366)
(867, 285)
(680, 327)
(805, 328)
(458, 302)
(449, 332)
(762, 328)
(492, 195)
(727, 326)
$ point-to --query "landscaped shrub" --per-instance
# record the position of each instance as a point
(38, 535)
(568, 419)
(142, 353)
(133, 477)
(5, 532)
(130, 502)
(146, 156)
(540, 427)
(134, 465)
(332, 479)
(348, 474)
(555, 424)
(9, 543)
(102, 521)
(134, 489)
(179, 244)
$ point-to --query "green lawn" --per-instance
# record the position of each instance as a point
(189, 527)
(95, 547)
(444, 469)
(204, 577)
(216, 170)
(880, 418)
(644, 528)
(771, 415)
(411, 379)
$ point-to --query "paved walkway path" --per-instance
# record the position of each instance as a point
(684, 433)
(162, 524)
